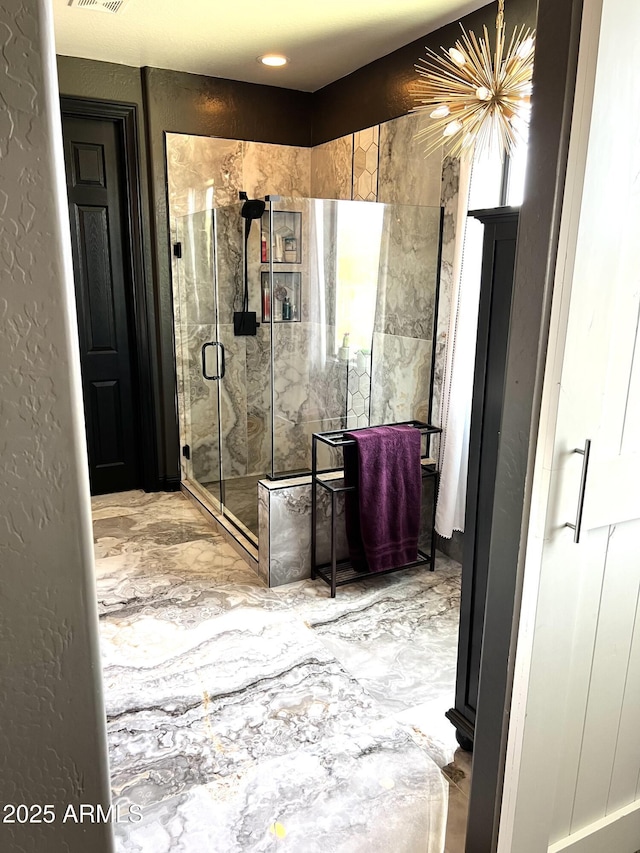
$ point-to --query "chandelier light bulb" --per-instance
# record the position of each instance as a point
(525, 48)
(457, 56)
(477, 93)
(453, 127)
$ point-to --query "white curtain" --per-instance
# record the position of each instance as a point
(318, 285)
(479, 187)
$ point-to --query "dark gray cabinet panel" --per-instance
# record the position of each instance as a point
(498, 260)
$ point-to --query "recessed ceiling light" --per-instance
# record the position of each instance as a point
(274, 60)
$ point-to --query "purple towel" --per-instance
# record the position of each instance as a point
(383, 515)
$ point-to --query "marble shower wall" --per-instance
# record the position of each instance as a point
(405, 175)
(450, 200)
(269, 169)
(401, 370)
(195, 165)
(332, 169)
(403, 333)
(310, 391)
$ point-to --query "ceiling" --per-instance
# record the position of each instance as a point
(324, 39)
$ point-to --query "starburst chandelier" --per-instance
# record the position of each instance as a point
(476, 99)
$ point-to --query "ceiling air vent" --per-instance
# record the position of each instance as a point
(111, 6)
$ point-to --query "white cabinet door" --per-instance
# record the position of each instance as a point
(573, 768)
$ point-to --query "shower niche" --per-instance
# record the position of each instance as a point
(286, 289)
(346, 297)
(286, 244)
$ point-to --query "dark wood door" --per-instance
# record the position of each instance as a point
(96, 185)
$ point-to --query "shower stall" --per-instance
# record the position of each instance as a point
(319, 317)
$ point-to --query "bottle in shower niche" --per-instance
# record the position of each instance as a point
(343, 351)
(266, 302)
(286, 308)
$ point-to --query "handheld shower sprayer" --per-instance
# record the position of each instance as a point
(244, 322)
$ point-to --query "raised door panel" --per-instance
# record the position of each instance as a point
(97, 278)
(625, 776)
(88, 164)
(109, 444)
(608, 673)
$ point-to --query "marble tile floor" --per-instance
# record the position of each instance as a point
(247, 719)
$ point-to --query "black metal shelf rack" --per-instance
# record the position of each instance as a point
(340, 572)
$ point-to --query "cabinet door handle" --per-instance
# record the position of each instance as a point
(577, 527)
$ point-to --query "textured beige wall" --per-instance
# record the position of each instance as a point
(52, 730)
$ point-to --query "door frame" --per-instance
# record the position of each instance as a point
(125, 117)
(557, 42)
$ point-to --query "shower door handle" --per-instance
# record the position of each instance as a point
(204, 360)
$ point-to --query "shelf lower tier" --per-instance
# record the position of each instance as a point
(346, 574)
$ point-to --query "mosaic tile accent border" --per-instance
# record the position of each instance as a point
(359, 392)
(366, 152)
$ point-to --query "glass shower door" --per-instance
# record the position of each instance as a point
(200, 358)
(244, 390)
